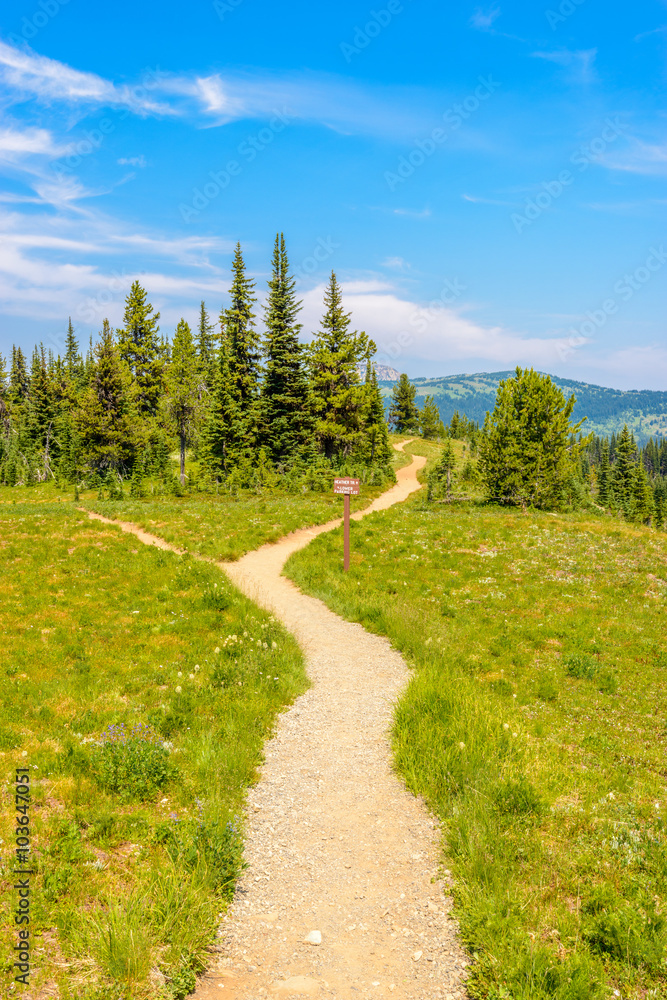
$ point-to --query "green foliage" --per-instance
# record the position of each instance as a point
(184, 383)
(213, 850)
(140, 349)
(132, 763)
(526, 454)
(403, 411)
(429, 419)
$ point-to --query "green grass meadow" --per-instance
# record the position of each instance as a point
(139, 688)
(535, 726)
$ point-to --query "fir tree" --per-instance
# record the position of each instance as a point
(440, 479)
(41, 406)
(140, 349)
(526, 449)
(286, 419)
(206, 346)
(429, 419)
(220, 431)
(376, 449)
(605, 477)
(242, 342)
(183, 384)
(403, 412)
(106, 420)
(624, 470)
(643, 500)
(338, 395)
(19, 382)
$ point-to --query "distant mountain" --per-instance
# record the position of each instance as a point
(607, 410)
(384, 373)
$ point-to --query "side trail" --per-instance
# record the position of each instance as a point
(335, 843)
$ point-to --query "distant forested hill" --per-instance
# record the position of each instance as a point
(607, 410)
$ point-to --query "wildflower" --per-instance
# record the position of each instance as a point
(163, 802)
(274, 645)
(505, 725)
(265, 645)
(191, 677)
(429, 641)
(462, 746)
(180, 673)
(197, 667)
(24, 753)
(178, 689)
(217, 649)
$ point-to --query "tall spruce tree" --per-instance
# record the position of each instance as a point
(642, 507)
(206, 346)
(429, 419)
(242, 339)
(375, 449)
(625, 462)
(605, 477)
(219, 437)
(106, 420)
(183, 383)
(403, 412)
(285, 407)
(19, 380)
(337, 392)
(140, 349)
(41, 406)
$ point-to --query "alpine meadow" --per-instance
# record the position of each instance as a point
(333, 501)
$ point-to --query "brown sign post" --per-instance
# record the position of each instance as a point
(347, 488)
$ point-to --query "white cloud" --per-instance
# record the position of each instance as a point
(16, 142)
(484, 19)
(579, 64)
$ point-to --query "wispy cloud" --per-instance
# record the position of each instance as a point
(579, 65)
(478, 200)
(483, 18)
(639, 157)
(411, 213)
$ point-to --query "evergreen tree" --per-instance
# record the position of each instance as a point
(206, 346)
(183, 384)
(605, 477)
(403, 412)
(140, 349)
(41, 405)
(643, 500)
(220, 431)
(624, 470)
(19, 382)
(526, 453)
(376, 449)
(429, 419)
(286, 419)
(338, 395)
(106, 421)
(440, 479)
(242, 343)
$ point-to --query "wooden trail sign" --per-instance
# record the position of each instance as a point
(346, 488)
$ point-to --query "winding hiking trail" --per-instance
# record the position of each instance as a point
(335, 843)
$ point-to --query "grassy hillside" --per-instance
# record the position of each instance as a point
(535, 726)
(607, 410)
(138, 689)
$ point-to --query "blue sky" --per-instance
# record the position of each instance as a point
(487, 181)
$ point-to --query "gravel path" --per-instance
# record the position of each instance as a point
(335, 843)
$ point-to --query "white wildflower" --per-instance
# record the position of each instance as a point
(197, 667)
(191, 677)
(178, 689)
(462, 746)
(274, 645)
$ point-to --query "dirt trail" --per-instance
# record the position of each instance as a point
(335, 843)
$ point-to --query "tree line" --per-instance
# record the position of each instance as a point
(242, 399)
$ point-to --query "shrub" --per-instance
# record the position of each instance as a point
(582, 667)
(133, 763)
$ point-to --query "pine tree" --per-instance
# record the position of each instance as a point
(219, 436)
(376, 449)
(141, 350)
(403, 412)
(605, 477)
(429, 419)
(285, 414)
(242, 343)
(106, 421)
(526, 454)
(19, 382)
(338, 395)
(624, 470)
(183, 384)
(206, 346)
